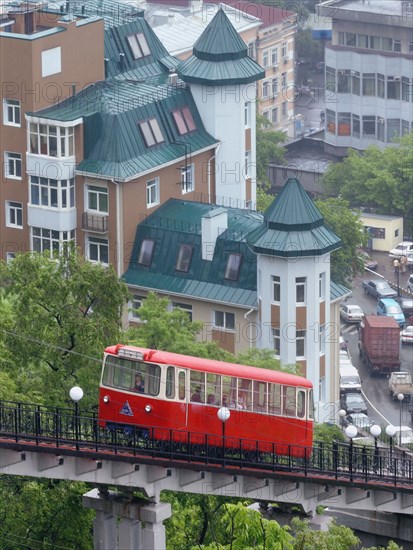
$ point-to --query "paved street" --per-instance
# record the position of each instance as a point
(381, 408)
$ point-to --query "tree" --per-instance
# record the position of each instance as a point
(268, 150)
(65, 311)
(264, 359)
(381, 179)
(337, 537)
(346, 261)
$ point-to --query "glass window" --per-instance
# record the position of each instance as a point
(152, 192)
(369, 84)
(284, 50)
(289, 401)
(233, 267)
(52, 193)
(343, 82)
(350, 39)
(397, 46)
(265, 89)
(151, 132)
(47, 239)
(330, 121)
(393, 129)
(13, 165)
(362, 41)
(274, 115)
(146, 252)
(98, 250)
(97, 199)
(284, 110)
(259, 396)
(197, 387)
(406, 89)
(380, 129)
(265, 58)
(322, 339)
(14, 214)
(170, 383)
(274, 398)
(301, 404)
(50, 140)
(380, 85)
(125, 372)
(355, 82)
(247, 117)
(387, 44)
(284, 80)
(274, 56)
(274, 86)
(138, 45)
(375, 42)
(330, 79)
(300, 343)
(187, 179)
(135, 305)
(224, 320)
(369, 126)
(356, 126)
(344, 124)
(405, 127)
(244, 395)
(213, 390)
(300, 287)
(276, 338)
(11, 112)
(181, 385)
(184, 120)
(251, 50)
(341, 38)
(183, 307)
(184, 258)
(276, 287)
(393, 87)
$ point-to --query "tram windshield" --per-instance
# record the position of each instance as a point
(127, 374)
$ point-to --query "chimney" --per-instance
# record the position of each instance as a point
(213, 224)
(172, 79)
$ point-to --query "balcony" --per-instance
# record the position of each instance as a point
(94, 222)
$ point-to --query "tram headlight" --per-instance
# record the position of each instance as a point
(106, 398)
(148, 408)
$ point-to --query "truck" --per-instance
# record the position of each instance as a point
(400, 382)
(379, 344)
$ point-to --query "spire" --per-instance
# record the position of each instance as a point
(220, 56)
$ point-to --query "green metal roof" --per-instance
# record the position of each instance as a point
(293, 226)
(179, 222)
(220, 56)
(338, 292)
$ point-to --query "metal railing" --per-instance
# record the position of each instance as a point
(348, 462)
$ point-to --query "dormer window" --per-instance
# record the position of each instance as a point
(138, 45)
(146, 252)
(184, 258)
(233, 267)
(151, 132)
(184, 121)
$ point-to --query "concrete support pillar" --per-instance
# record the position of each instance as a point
(125, 524)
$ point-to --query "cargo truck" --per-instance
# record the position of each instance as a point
(400, 382)
(379, 344)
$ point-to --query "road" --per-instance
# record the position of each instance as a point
(381, 408)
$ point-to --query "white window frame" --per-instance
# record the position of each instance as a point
(101, 194)
(301, 282)
(134, 305)
(247, 114)
(11, 112)
(45, 187)
(50, 140)
(152, 192)
(138, 45)
(274, 115)
(265, 89)
(322, 286)
(10, 256)
(102, 250)
(284, 50)
(14, 210)
(16, 163)
(187, 183)
(266, 58)
(276, 340)
(233, 266)
(274, 86)
(247, 164)
(51, 240)
(274, 56)
(276, 284)
(322, 337)
(226, 325)
(300, 337)
(183, 307)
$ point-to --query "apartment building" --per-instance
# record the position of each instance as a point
(368, 73)
(268, 31)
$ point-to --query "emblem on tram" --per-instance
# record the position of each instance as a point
(126, 409)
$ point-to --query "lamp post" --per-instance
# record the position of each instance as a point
(342, 413)
(76, 394)
(375, 431)
(223, 414)
(351, 432)
(400, 397)
(391, 431)
(396, 265)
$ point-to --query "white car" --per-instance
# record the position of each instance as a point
(351, 313)
(402, 249)
(406, 335)
(407, 435)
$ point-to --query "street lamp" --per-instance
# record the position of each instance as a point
(223, 414)
(396, 265)
(351, 432)
(342, 413)
(391, 432)
(76, 394)
(400, 397)
(375, 431)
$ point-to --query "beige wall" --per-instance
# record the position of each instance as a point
(393, 231)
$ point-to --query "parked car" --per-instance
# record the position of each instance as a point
(390, 308)
(407, 306)
(353, 403)
(410, 284)
(351, 313)
(360, 420)
(401, 249)
(406, 335)
(378, 288)
(406, 435)
(369, 263)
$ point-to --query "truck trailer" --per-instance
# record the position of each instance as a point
(379, 344)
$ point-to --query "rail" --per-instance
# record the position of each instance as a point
(62, 429)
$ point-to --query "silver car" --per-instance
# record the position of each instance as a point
(351, 313)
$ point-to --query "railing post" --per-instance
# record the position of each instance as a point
(37, 424)
(335, 459)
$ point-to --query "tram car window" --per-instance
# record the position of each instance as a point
(170, 383)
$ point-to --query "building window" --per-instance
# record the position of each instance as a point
(247, 165)
(274, 115)
(52, 193)
(146, 252)
(330, 79)
(152, 192)
(251, 50)
(184, 121)
(380, 86)
(351, 39)
(266, 115)
(377, 232)
(184, 258)
(97, 199)
(393, 129)
(343, 82)
(14, 214)
(13, 166)
(393, 87)
(184, 307)
(265, 89)
(233, 267)
(274, 56)
(11, 112)
(265, 58)
(247, 114)
(355, 82)
(274, 86)
(407, 89)
(52, 141)
(322, 339)
(51, 61)
(386, 44)
(375, 43)
(97, 250)
(356, 125)
(369, 84)
(187, 179)
(322, 286)
(344, 124)
(276, 289)
(380, 128)
(224, 320)
(151, 132)
(362, 41)
(300, 343)
(284, 50)
(48, 239)
(10, 256)
(300, 286)
(330, 121)
(397, 46)
(135, 304)
(396, 232)
(369, 126)
(284, 110)
(138, 45)
(276, 339)
(284, 81)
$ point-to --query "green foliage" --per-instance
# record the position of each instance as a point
(391, 546)
(328, 433)
(264, 359)
(345, 223)
(336, 538)
(65, 311)
(377, 179)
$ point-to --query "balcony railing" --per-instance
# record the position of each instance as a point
(94, 222)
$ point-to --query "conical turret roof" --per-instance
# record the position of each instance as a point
(220, 56)
(293, 226)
